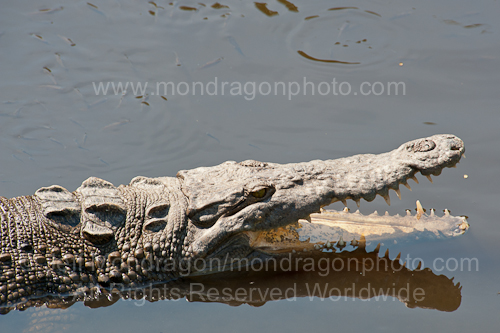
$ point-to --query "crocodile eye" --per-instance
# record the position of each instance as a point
(425, 145)
(421, 146)
(259, 194)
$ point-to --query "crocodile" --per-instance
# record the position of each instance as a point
(58, 242)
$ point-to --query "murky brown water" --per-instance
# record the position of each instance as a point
(56, 129)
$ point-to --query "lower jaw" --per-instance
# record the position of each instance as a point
(336, 230)
(280, 240)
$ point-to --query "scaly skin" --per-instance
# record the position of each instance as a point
(60, 242)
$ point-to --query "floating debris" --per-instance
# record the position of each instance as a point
(470, 26)
(305, 55)
(39, 37)
(342, 8)
(154, 4)
(67, 40)
(263, 8)
(116, 124)
(48, 10)
(187, 8)
(218, 6)
(177, 60)
(370, 12)
(211, 63)
(291, 7)
(59, 60)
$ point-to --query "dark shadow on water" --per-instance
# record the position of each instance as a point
(331, 276)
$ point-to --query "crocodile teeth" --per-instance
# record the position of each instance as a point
(357, 202)
(398, 192)
(387, 199)
(344, 202)
(429, 177)
(407, 186)
(420, 210)
(414, 178)
(341, 243)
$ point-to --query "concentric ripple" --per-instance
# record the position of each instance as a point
(344, 36)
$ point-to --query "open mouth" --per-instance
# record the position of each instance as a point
(338, 230)
(334, 231)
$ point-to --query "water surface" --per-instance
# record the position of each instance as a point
(56, 129)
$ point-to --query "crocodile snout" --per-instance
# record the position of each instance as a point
(456, 144)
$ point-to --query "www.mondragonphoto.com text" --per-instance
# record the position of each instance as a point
(249, 90)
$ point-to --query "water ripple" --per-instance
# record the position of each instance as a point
(344, 36)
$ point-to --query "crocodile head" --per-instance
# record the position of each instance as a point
(229, 201)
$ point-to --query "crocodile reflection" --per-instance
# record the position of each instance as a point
(333, 276)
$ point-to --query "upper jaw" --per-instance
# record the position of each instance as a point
(377, 174)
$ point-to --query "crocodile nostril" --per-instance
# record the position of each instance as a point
(455, 145)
